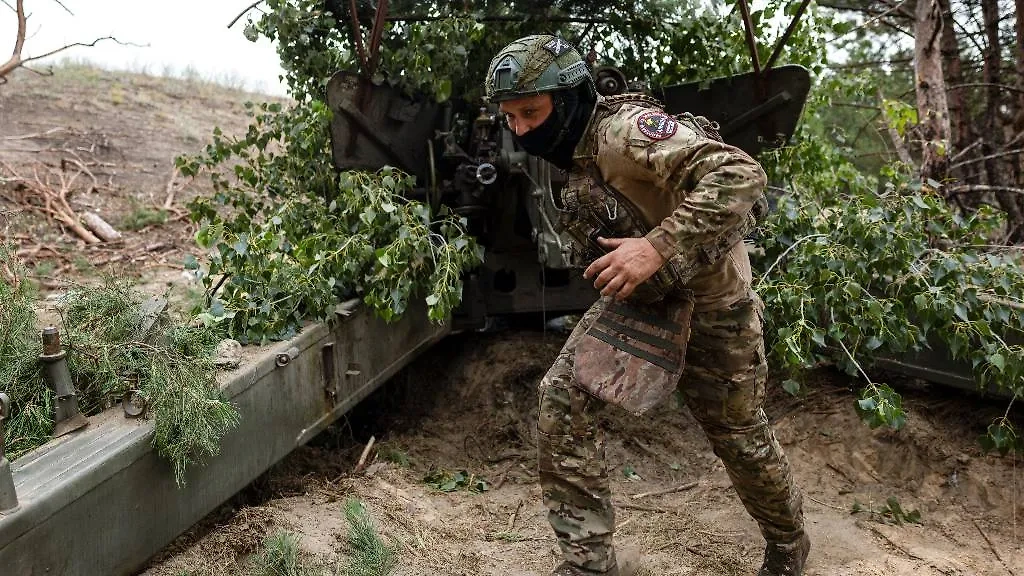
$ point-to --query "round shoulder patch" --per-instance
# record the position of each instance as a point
(657, 125)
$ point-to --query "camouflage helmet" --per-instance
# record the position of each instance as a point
(535, 64)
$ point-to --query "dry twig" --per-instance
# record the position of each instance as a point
(992, 547)
(514, 516)
(36, 134)
(83, 169)
(169, 193)
(366, 452)
(826, 504)
(45, 198)
(16, 61)
(680, 488)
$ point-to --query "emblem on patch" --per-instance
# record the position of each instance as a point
(557, 46)
(657, 125)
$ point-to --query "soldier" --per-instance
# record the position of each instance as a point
(658, 207)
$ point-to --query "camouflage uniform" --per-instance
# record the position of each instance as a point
(690, 190)
(693, 196)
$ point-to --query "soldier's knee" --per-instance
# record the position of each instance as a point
(554, 414)
(556, 404)
(743, 443)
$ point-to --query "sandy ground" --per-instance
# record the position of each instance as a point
(470, 404)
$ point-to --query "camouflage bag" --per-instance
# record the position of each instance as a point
(633, 354)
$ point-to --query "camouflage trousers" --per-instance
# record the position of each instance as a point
(724, 387)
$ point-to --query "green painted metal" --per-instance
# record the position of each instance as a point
(100, 501)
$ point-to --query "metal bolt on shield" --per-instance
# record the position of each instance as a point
(67, 416)
(286, 357)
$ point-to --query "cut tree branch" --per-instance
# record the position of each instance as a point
(246, 11)
(968, 188)
(44, 198)
(72, 45)
(989, 157)
(986, 85)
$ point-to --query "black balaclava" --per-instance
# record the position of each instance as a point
(556, 138)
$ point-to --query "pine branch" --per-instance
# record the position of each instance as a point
(109, 353)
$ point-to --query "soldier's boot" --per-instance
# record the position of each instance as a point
(627, 563)
(786, 559)
(566, 569)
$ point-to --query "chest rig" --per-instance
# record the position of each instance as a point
(591, 207)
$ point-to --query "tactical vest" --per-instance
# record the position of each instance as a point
(591, 207)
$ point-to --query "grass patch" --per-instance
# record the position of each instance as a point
(81, 263)
(395, 455)
(44, 268)
(143, 217)
(507, 536)
(280, 556)
(371, 556)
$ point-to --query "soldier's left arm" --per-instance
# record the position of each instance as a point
(713, 185)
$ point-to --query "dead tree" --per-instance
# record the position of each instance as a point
(17, 60)
(19, 42)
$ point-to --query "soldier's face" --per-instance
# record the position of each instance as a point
(526, 113)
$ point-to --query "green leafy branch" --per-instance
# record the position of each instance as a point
(860, 271)
(454, 480)
(288, 237)
(1001, 436)
(892, 512)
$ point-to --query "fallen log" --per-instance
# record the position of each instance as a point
(100, 227)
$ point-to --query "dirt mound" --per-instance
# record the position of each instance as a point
(470, 405)
(107, 141)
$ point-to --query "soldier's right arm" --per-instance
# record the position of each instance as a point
(711, 185)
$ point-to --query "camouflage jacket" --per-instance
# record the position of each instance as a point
(694, 194)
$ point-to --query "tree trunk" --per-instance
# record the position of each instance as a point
(961, 128)
(1018, 119)
(998, 169)
(932, 108)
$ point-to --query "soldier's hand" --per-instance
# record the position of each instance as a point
(629, 262)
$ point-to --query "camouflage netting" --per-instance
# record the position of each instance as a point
(20, 374)
(111, 351)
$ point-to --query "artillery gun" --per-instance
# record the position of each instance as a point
(100, 500)
(464, 157)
